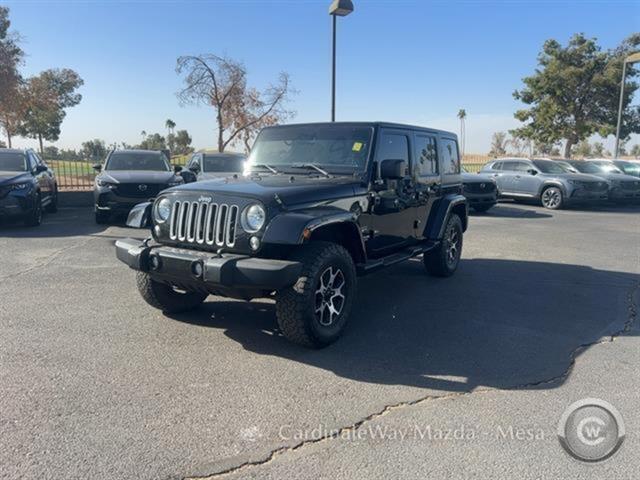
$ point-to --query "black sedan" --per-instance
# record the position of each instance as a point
(130, 177)
(27, 186)
(480, 191)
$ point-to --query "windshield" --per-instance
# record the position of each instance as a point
(587, 167)
(607, 167)
(150, 161)
(336, 148)
(548, 166)
(223, 163)
(13, 162)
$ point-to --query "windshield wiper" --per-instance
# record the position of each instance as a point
(312, 166)
(264, 165)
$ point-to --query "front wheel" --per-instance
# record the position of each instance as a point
(53, 205)
(166, 298)
(551, 198)
(315, 310)
(34, 217)
(443, 260)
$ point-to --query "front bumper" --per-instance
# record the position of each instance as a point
(621, 195)
(107, 201)
(477, 199)
(206, 270)
(13, 205)
(582, 195)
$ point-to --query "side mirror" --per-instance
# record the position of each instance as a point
(188, 176)
(177, 168)
(531, 171)
(97, 167)
(392, 169)
(41, 168)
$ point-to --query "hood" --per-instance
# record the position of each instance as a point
(290, 189)
(611, 176)
(476, 178)
(583, 177)
(212, 175)
(136, 176)
(14, 177)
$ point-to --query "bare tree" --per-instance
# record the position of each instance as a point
(498, 144)
(221, 82)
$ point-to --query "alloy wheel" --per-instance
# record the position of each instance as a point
(330, 296)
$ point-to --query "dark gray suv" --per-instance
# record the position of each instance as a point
(544, 180)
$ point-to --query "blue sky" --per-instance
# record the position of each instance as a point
(406, 61)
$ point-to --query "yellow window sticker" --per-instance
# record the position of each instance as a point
(357, 146)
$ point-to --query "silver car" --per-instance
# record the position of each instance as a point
(544, 180)
(622, 188)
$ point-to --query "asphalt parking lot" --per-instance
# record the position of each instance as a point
(542, 312)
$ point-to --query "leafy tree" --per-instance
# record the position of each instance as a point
(462, 115)
(546, 149)
(583, 149)
(498, 144)
(2, 144)
(153, 141)
(598, 150)
(635, 151)
(51, 152)
(94, 150)
(183, 142)
(574, 93)
(170, 124)
(11, 99)
(48, 95)
(221, 83)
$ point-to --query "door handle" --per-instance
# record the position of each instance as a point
(517, 176)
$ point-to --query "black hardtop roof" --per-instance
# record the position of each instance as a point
(370, 124)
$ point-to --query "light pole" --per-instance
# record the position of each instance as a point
(633, 58)
(338, 8)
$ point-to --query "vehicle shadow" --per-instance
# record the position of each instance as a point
(482, 327)
(504, 211)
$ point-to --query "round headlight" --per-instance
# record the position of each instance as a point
(163, 210)
(253, 218)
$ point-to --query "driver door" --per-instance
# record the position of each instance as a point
(391, 213)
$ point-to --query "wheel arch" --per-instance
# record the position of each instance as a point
(442, 209)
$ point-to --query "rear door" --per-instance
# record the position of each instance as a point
(426, 175)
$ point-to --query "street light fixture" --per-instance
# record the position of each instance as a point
(633, 58)
(338, 8)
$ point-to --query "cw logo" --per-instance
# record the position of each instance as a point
(589, 429)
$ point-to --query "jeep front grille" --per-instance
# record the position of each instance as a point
(204, 223)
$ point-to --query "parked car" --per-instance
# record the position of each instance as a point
(545, 181)
(628, 167)
(27, 186)
(480, 191)
(320, 204)
(129, 177)
(209, 165)
(621, 187)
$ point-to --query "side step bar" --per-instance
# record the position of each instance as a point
(410, 252)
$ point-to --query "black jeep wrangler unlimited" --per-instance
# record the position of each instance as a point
(318, 205)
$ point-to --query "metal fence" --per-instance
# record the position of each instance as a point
(80, 175)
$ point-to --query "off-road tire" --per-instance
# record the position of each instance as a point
(552, 198)
(53, 205)
(102, 217)
(438, 261)
(34, 217)
(165, 298)
(296, 305)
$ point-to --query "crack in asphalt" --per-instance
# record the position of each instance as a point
(632, 313)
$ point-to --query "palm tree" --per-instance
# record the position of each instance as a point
(144, 134)
(170, 124)
(462, 114)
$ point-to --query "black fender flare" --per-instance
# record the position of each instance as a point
(296, 227)
(440, 212)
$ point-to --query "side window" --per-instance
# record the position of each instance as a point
(510, 166)
(522, 166)
(497, 166)
(394, 147)
(33, 162)
(450, 157)
(426, 155)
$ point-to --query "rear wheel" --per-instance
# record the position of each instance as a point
(315, 310)
(551, 198)
(166, 298)
(34, 217)
(443, 260)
